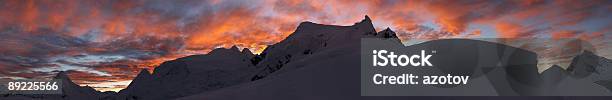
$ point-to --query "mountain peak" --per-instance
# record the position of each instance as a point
(248, 53)
(586, 63)
(309, 38)
(307, 25)
(235, 48)
(246, 50)
(366, 21)
(142, 76)
(367, 18)
(231, 50)
(388, 29)
(61, 75)
(387, 33)
(144, 71)
(586, 52)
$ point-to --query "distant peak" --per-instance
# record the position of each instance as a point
(554, 68)
(224, 50)
(144, 74)
(388, 29)
(305, 24)
(387, 33)
(61, 75)
(235, 48)
(248, 53)
(246, 50)
(586, 52)
(144, 71)
(367, 18)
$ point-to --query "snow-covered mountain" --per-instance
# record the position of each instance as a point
(332, 73)
(70, 91)
(193, 74)
(311, 38)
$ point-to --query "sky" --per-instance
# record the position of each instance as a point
(105, 43)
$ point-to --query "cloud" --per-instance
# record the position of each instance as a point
(509, 30)
(565, 34)
(117, 37)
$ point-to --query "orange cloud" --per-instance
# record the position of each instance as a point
(564, 34)
(237, 27)
(508, 30)
(455, 16)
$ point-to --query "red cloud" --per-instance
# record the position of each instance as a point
(162, 30)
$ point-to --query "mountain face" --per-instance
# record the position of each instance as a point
(73, 91)
(310, 38)
(193, 74)
(226, 67)
(592, 68)
(589, 64)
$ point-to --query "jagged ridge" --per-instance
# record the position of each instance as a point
(310, 38)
